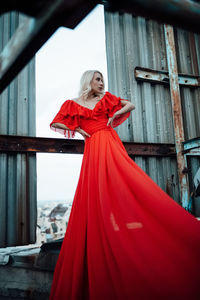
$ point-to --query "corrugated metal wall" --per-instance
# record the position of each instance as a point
(135, 42)
(17, 171)
(131, 42)
(188, 60)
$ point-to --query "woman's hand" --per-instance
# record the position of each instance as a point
(82, 132)
(110, 120)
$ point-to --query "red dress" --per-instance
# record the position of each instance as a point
(126, 238)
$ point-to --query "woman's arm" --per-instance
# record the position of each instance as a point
(78, 129)
(60, 125)
(126, 107)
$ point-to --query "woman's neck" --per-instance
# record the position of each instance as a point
(93, 95)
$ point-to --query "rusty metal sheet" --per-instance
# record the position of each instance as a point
(177, 115)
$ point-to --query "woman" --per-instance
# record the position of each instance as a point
(126, 238)
(92, 90)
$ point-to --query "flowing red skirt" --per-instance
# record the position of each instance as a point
(126, 238)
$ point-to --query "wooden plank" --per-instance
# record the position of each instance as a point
(162, 77)
(16, 144)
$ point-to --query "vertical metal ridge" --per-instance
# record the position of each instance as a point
(17, 171)
(132, 42)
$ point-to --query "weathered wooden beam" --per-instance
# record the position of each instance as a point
(192, 147)
(162, 77)
(16, 144)
(150, 149)
(51, 14)
(12, 143)
(181, 13)
(34, 32)
(193, 152)
(31, 7)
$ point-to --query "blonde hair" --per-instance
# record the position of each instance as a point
(85, 82)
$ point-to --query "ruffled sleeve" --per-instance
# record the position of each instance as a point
(113, 104)
(69, 116)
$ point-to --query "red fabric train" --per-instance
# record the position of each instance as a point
(126, 238)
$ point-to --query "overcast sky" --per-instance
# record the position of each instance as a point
(59, 66)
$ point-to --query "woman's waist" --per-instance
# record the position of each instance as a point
(92, 126)
(101, 131)
(96, 129)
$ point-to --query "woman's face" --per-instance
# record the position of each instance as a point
(97, 84)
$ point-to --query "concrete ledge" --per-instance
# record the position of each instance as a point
(24, 283)
(27, 272)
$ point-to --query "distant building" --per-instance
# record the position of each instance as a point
(52, 221)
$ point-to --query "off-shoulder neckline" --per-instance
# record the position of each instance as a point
(88, 107)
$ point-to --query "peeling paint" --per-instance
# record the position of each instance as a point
(177, 115)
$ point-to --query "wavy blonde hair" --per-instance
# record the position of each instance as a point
(85, 82)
